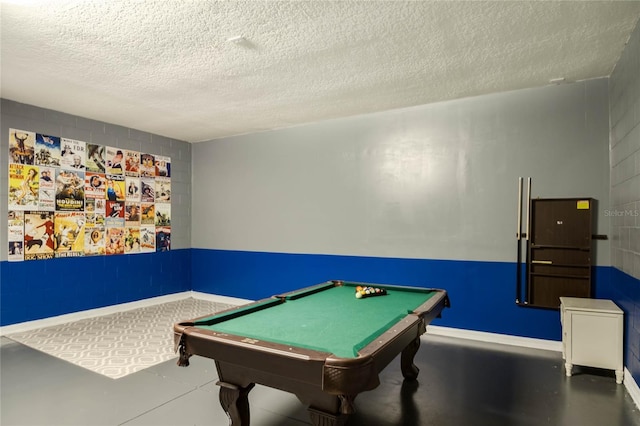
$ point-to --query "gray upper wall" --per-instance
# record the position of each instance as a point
(437, 181)
(30, 118)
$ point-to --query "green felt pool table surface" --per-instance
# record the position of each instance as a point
(328, 319)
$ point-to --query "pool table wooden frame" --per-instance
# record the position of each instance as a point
(325, 383)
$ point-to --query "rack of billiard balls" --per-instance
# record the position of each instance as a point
(363, 292)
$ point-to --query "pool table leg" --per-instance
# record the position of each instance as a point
(409, 369)
(321, 418)
(235, 402)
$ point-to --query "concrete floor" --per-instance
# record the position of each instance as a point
(460, 383)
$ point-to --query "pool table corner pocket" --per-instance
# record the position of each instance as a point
(346, 376)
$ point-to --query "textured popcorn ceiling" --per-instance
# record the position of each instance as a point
(167, 66)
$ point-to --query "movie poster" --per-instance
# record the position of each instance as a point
(115, 188)
(148, 214)
(132, 214)
(94, 239)
(47, 150)
(163, 166)
(69, 234)
(133, 189)
(114, 241)
(95, 158)
(21, 146)
(95, 185)
(114, 216)
(163, 190)
(73, 155)
(15, 236)
(132, 163)
(47, 192)
(147, 165)
(132, 240)
(23, 187)
(69, 190)
(100, 206)
(163, 214)
(39, 237)
(15, 252)
(115, 161)
(90, 205)
(147, 239)
(163, 238)
(147, 189)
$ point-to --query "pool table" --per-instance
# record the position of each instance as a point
(320, 343)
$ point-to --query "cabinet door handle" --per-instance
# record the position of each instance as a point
(543, 262)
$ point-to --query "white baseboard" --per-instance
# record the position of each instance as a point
(505, 339)
(220, 299)
(632, 387)
(90, 313)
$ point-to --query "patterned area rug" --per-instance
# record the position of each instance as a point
(122, 343)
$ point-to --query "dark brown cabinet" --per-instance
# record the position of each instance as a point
(560, 250)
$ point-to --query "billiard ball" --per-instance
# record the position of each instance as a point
(358, 295)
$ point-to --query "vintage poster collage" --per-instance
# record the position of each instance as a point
(71, 198)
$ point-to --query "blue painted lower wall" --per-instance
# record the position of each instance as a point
(482, 293)
(45, 288)
(625, 291)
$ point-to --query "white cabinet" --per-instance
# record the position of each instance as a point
(592, 334)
